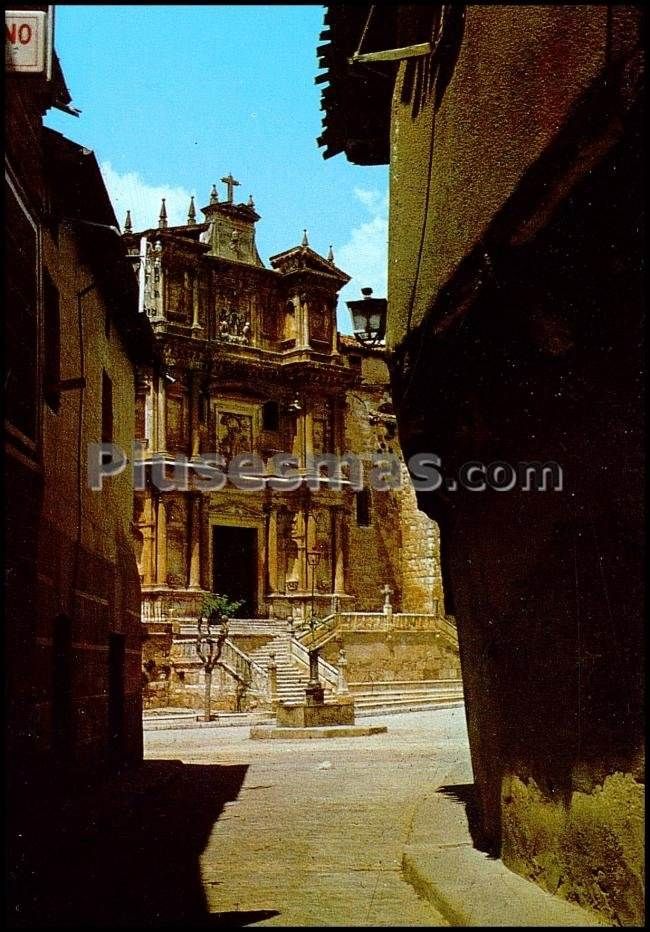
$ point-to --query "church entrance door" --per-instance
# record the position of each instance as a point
(234, 566)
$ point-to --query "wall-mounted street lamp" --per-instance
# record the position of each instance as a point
(369, 318)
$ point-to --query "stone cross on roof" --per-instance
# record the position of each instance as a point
(230, 183)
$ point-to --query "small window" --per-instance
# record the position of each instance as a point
(271, 416)
(364, 517)
(52, 340)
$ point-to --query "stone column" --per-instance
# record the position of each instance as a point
(308, 430)
(147, 528)
(149, 415)
(161, 542)
(338, 426)
(195, 304)
(141, 386)
(272, 669)
(195, 542)
(272, 549)
(339, 552)
(299, 534)
(161, 420)
(195, 437)
(342, 688)
(298, 443)
(302, 322)
(204, 555)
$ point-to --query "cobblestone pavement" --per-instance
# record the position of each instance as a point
(316, 833)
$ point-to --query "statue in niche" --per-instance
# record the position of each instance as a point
(295, 534)
(235, 434)
(292, 574)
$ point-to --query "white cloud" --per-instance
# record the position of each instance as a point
(364, 255)
(130, 192)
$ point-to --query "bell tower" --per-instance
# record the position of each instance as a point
(231, 227)
(312, 284)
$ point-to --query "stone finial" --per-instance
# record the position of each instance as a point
(214, 195)
(250, 202)
(191, 213)
(128, 225)
(330, 254)
(342, 688)
(305, 241)
(162, 219)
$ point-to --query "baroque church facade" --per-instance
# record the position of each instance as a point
(250, 360)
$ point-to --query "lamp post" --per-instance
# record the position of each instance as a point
(313, 559)
(369, 318)
(209, 647)
(314, 691)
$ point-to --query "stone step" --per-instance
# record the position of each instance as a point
(380, 687)
(406, 694)
(408, 705)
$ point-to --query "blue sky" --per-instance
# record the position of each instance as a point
(173, 98)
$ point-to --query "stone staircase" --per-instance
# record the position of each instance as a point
(292, 676)
(405, 696)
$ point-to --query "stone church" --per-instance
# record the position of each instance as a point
(250, 360)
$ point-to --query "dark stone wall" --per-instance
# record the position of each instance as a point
(546, 364)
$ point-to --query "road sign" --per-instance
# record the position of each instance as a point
(27, 41)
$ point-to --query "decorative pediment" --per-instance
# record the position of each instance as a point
(305, 259)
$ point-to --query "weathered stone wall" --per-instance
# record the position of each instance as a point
(99, 586)
(587, 848)
(420, 554)
(375, 656)
(401, 547)
(523, 345)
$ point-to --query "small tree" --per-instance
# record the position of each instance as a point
(216, 605)
(215, 611)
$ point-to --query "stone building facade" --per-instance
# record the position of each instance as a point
(515, 301)
(72, 594)
(252, 363)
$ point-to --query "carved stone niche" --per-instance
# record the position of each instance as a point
(233, 326)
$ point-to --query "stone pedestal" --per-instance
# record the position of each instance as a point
(315, 694)
(303, 715)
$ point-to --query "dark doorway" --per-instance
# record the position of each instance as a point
(116, 695)
(234, 566)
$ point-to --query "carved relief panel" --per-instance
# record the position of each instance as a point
(179, 296)
(237, 426)
(320, 319)
(176, 542)
(177, 417)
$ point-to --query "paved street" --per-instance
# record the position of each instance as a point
(316, 832)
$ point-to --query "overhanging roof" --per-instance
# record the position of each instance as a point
(79, 199)
(357, 98)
